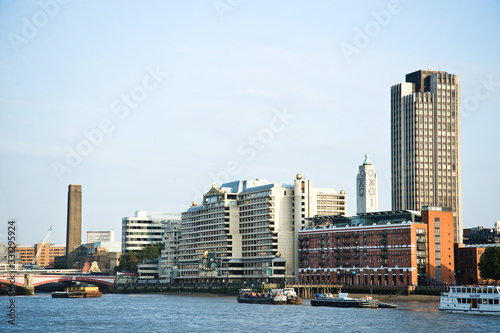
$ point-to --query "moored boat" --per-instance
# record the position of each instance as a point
(343, 301)
(386, 305)
(251, 297)
(471, 299)
(291, 296)
(78, 292)
(278, 296)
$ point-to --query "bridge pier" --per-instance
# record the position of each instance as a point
(29, 289)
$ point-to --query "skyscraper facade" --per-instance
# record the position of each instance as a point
(425, 143)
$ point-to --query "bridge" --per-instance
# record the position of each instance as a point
(30, 279)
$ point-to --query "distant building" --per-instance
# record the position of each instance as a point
(425, 144)
(145, 228)
(106, 254)
(104, 258)
(74, 222)
(367, 188)
(100, 236)
(148, 270)
(482, 235)
(379, 249)
(5, 263)
(168, 269)
(46, 257)
(467, 258)
(247, 229)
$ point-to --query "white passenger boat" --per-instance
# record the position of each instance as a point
(471, 299)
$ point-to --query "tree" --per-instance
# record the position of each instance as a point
(129, 260)
(489, 264)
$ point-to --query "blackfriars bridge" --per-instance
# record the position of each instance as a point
(29, 279)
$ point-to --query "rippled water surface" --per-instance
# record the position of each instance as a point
(206, 313)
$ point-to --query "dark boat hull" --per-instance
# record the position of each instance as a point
(255, 300)
(344, 303)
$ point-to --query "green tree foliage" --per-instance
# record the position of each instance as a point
(129, 260)
(489, 264)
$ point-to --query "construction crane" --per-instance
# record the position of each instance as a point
(41, 246)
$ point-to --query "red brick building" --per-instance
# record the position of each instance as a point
(383, 248)
(466, 260)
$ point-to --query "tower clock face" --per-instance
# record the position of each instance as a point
(362, 173)
(372, 191)
(361, 191)
(370, 173)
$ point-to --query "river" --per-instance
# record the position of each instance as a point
(209, 313)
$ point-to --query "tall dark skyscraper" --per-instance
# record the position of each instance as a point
(74, 222)
(425, 144)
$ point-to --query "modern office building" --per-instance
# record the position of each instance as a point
(168, 268)
(396, 248)
(100, 236)
(247, 229)
(74, 222)
(46, 257)
(367, 188)
(144, 228)
(425, 144)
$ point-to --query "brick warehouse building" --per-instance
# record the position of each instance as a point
(383, 248)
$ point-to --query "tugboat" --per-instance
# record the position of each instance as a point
(291, 296)
(251, 297)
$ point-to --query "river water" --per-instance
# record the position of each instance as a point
(208, 313)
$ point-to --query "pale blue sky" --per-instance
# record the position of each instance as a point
(229, 73)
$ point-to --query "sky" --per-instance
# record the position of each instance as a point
(147, 103)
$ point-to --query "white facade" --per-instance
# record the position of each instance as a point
(367, 188)
(147, 270)
(100, 236)
(168, 269)
(145, 228)
(115, 247)
(248, 229)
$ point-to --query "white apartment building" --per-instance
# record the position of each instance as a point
(100, 236)
(248, 229)
(144, 228)
(168, 268)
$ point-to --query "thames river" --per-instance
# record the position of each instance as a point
(207, 313)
